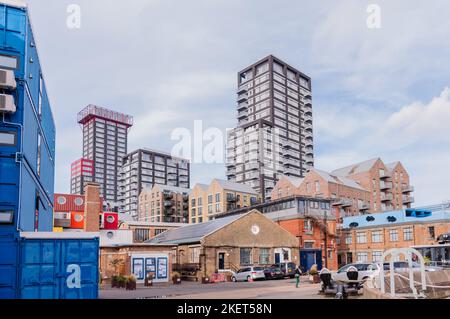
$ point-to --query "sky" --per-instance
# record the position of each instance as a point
(377, 92)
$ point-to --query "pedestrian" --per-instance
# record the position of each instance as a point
(298, 273)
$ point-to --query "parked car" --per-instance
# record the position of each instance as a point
(404, 266)
(288, 269)
(365, 271)
(245, 274)
(273, 273)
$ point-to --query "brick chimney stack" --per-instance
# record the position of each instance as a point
(92, 207)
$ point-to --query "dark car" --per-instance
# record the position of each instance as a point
(273, 273)
(288, 269)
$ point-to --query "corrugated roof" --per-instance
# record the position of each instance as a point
(243, 188)
(355, 168)
(339, 180)
(193, 233)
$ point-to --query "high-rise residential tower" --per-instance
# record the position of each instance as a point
(274, 135)
(143, 169)
(105, 142)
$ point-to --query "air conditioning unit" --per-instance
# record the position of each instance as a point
(7, 80)
(62, 215)
(7, 104)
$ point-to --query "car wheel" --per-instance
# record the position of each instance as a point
(233, 279)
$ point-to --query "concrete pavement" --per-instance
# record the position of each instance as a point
(284, 289)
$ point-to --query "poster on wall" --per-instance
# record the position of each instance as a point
(138, 268)
(150, 267)
(162, 267)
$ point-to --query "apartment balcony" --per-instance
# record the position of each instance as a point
(253, 166)
(185, 205)
(231, 198)
(242, 97)
(343, 203)
(385, 175)
(309, 143)
(364, 207)
(168, 195)
(242, 115)
(242, 89)
(309, 151)
(168, 203)
(407, 189)
(408, 200)
(170, 212)
(308, 127)
(308, 117)
(386, 197)
(385, 185)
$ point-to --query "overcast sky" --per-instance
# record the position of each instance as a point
(377, 92)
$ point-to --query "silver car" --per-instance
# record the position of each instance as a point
(365, 270)
(249, 274)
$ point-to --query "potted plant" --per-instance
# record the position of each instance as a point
(149, 280)
(114, 282)
(131, 283)
(121, 281)
(314, 275)
(176, 278)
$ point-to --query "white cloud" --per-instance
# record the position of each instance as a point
(419, 123)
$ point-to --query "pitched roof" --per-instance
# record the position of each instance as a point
(391, 166)
(193, 233)
(174, 189)
(231, 186)
(338, 179)
(356, 168)
(296, 181)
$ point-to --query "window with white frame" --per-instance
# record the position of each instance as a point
(377, 236)
(393, 235)
(361, 238)
(362, 257)
(376, 255)
(408, 233)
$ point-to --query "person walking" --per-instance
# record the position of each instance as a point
(298, 273)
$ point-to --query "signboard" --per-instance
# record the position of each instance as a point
(162, 268)
(138, 268)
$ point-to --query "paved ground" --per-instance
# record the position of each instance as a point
(277, 289)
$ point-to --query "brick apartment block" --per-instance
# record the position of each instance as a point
(367, 187)
(208, 201)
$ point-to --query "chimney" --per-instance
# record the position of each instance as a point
(92, 207)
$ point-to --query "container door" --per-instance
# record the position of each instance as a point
(39, 269)
(78, 277)
(8, 266)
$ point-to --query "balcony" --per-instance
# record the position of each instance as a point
(242, 89)
(364, 207)
(385, 185)
(343, 203)
(242, 115)
(386, 197)
(231, 198)
(384, 175)
(408, 200)
(308, 127)
(168, 195)
(168, 203)
(407, 189)
(242, 97)
(308, 118)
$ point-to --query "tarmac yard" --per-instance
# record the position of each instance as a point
(274, 289)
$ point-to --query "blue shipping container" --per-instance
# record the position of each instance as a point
(53, 266)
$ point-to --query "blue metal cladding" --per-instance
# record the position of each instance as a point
(20, 181)
(8, 266)
(58, 269)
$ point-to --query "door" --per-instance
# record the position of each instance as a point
(221, 261)
(277, 258)
(349, 258)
